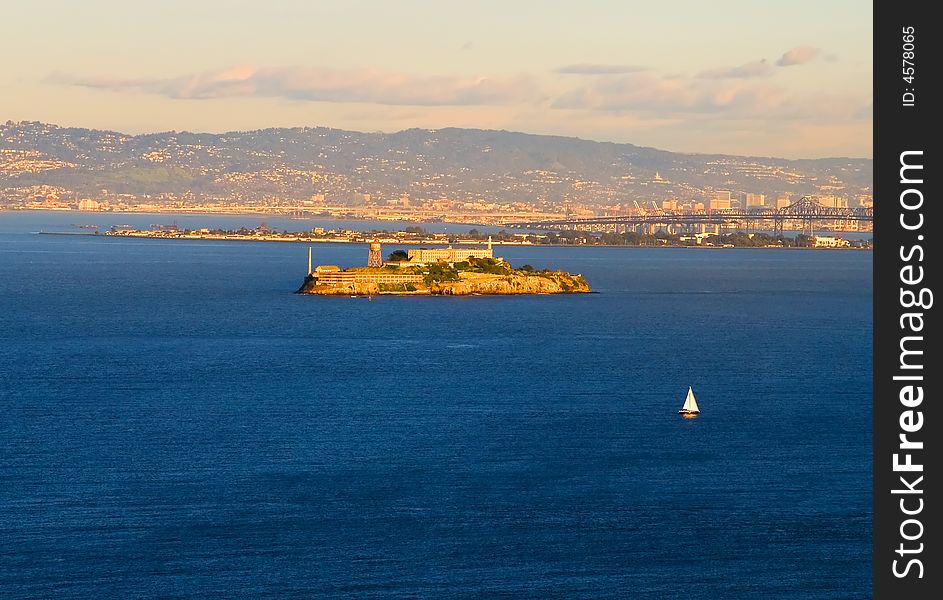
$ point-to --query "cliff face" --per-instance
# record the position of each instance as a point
(475, 283)
(555, 282)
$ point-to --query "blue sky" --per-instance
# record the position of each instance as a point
(754, 77)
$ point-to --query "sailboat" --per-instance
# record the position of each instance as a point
(690, 405)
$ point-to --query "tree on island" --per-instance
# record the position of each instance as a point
(440, 272)
(805, 241)
(398, 256)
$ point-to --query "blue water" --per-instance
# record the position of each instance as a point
(176, 423)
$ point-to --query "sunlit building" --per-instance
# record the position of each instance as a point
(721, 199)
(832, 201)
(822, 241)
(448, 255)
(756, 200)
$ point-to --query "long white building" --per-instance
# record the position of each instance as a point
(448, 255)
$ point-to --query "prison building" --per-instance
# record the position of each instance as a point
(331, 275)
(448, 255)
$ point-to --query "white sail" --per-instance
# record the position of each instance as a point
(690, 404)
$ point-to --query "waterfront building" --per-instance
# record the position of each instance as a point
(332, 275)
(822, 241)
(89, 204)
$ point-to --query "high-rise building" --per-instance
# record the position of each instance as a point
(832, 201)
(721, 199)
(783, 200)
(89, 204)
(756, 200)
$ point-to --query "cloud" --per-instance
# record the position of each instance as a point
(698, 98)
(597, 69)
(321, 84)
(759, 68)
(672, 95)
(798, 56)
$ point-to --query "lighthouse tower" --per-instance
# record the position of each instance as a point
(375, 256)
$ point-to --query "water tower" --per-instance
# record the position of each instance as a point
(375, 256)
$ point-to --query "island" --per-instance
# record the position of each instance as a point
(414, 235)
(437, 272)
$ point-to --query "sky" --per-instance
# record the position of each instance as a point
(789, 79)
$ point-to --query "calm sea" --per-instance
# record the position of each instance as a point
(175, 422)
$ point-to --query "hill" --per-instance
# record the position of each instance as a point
(460, 164)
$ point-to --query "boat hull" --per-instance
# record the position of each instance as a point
(689, 414)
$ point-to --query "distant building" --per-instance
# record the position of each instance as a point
(822, 241)
(756, 200)
(832, 201)
(88, 204)
(720, 200)
(783, 200)
(670, 204)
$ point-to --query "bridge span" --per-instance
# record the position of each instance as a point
(806, 214)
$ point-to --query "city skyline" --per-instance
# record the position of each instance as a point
(623, 72)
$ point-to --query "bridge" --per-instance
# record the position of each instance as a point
(803, 215)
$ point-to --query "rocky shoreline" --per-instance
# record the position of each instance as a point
(517, 283)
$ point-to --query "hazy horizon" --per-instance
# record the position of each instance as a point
(731, 77)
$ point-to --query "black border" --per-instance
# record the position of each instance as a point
(899, 128)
